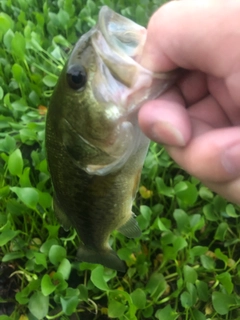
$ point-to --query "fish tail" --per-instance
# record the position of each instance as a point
(107, 258)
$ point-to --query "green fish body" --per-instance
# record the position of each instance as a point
(95, 148)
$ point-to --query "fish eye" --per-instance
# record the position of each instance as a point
(76, 77)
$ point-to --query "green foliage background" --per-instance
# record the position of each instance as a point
(186, 265)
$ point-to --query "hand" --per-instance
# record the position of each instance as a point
(198, 119)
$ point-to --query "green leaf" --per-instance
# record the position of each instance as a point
(179, 243)
(186, 192)
(156, 285)
(4, 192)
(45, 199)
(182, 220)
(186, 299)
(58, 280)
(64, 268)
(116, 309)
(57, 254)
(7, 235)
(40, 259)
(197, 315)
(70, 301)
(38, 305)
(196, 222)
(222, 302)
(190, 275)
(69, 305)
(170, 251)
(46, 246)
(22, 296)
(20, 105)
(8, 144)
(162, 188)
(231, 212)
(141, 15)
(29, 196)
(18, 45)
(98, 280)
(47, 286)
(18, 73)
(50, 80)
(226, 280)
(221, 231)
(6, 23)
(148, 312)
(15, 163)
(59, 39)
(146, 212)
(207, 262)
(210, 213)
(12, 256)
(125, 254)
(83, 292)
(7, 39)
(219, 255)
(28, 135)
(139, 298)
(193, 292)
(161, 225)
(198, 251)
(202, 290)
(63, 18)
(1, 93)
(25, 179)
(167, 313)
(205, 193)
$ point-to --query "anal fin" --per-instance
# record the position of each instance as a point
(131, 229)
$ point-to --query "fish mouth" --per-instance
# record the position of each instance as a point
(119, 41)
(118, 44)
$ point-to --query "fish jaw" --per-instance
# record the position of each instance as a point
(118, 43)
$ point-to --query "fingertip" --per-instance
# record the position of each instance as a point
(165, 120)
(166, 133)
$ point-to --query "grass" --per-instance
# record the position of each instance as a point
(186, 265)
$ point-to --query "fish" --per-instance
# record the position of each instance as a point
(94, 146)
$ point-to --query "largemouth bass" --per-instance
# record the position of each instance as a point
(95, 148)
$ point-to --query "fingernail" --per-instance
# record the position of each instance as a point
(165, 133)
(231, 159)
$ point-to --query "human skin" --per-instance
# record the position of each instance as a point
(198, 119)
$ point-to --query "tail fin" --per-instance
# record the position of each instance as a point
(107, 258)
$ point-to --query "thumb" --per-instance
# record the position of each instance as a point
(184, 34)
(166, 120)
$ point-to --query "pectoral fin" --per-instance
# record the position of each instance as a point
(131, 229)
(61, 216)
